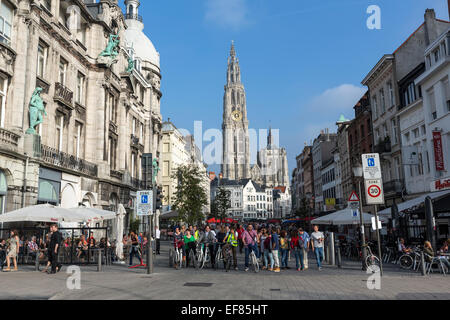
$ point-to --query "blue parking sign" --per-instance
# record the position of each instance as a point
(371, 162)
(144, 199)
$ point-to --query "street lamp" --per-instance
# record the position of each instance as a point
(358, 173)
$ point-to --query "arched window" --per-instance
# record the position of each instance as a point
(3, 191)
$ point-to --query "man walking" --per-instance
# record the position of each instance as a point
(240, 232)
(317, 245)
(158, 240)
(249, 242)
(275, 250)
(306, 243)
(53, 249)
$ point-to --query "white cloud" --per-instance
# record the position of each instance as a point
(337, 100)
(227, 13)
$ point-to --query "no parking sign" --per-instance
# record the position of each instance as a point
(374, 191)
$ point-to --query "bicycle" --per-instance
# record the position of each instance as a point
(219, 257)
(227, 257)
(192, 258)
(254, 261)
(205, 257)
(371, 259)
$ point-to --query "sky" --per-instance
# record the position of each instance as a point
(302, 61)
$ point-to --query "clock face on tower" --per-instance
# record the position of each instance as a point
(236, 115)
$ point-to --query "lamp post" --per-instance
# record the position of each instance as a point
(358, 173)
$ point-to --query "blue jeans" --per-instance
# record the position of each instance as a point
(299, 257)
(248, 249)
(268, 255)
(319, 256)
(134, 251)
(284, 258)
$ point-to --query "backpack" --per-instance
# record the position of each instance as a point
(301, 242)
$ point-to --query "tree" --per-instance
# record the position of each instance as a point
(221, 204)
(190, 197)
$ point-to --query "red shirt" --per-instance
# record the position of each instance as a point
(240, 232)
(294, 242)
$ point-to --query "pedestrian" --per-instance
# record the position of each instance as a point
(317, 245)
(209, 239)
(306, 245)
(134, 248)
(275, 250)
(284, 247)
(297, 247)
(268, 256)
(158, 240)
(240, 232)
(13, 251)
(189, 245)
(262, 238)
(231, 241)
(53, 250)
(2, 253)
(250, 242)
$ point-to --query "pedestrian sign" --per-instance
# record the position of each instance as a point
(355, 213)
(353, 197)
(144, 203)
(374, 191)
(371, 166)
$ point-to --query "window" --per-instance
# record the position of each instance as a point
(436, 55)
(42, 60)
(383, 101)
(3, 192)
(420, 163)
(416, 133)
(59, 132)
(447, 94)
(111, 102)
(429, 61)
(80, 88)
(385, 130)
(62, 71)
(133, 126)
(166, 147)
(391, 94)
(432, 104)
(6, 16)
(3, 89)
(424, 130)
(133, 165)
(398, 168)
(166, 168)
(375, 109)
(394, 131)
(77, 139)
(406, 135)
(112, 157)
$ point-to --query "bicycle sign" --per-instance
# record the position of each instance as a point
(371, 166)
(144, 203)
(374, 191)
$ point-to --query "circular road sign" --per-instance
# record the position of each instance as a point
(374, 191)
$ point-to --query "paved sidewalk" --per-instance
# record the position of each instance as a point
(119, 282)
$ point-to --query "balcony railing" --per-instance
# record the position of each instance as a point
(63, 94)
(9, 140)
(116, 174)
(393, 186)
(383, 147)
(133, 16)
(66, 161)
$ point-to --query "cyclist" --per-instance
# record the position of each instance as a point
(231, 242)
(178, 242)
(209, 239)
(196, 233)
(249, 240)
(189, 245)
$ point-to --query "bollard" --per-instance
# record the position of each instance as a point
(99, 267)
(338, 258)
(332, 260)
(422, 263)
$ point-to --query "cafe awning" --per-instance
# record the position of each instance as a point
(416, 202)
(345, 217)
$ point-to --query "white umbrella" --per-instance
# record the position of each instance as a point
(345, 217)
(42, 213)
(119, 232)
(94, 214)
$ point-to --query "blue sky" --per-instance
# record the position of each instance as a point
(302, 61)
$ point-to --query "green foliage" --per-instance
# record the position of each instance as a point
(304, 209)
(221, 204)
(134, 224)
(190, 197)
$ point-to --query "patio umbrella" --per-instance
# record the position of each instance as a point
(345, 217)
(94, 214)
(42, 213)
(119, 232)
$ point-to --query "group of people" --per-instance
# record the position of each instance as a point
(135, 244)
(271, 245)
(429, 251)
(11, 248)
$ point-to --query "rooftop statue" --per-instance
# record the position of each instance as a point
(155, 170)
(111, 49)
(37, 111)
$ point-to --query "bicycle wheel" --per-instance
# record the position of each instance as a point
(178, 260)
(371, 261)
(406, 261)
(193, 259)
(255, 262)
(218, 259)
(199, 259)
(228, 262)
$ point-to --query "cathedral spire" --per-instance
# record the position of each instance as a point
(232, 50)
(269, 138)
(234, 71)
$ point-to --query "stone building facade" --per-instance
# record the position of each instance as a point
(102, 112)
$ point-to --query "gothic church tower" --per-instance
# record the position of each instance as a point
(236, 148)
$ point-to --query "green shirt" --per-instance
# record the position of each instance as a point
(188, 240)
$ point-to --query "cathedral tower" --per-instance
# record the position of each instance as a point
(236, 148)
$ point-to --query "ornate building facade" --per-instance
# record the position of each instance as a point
(100, 91)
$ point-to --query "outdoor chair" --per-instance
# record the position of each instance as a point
(435, 262)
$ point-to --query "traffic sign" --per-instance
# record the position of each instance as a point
(371, 166)
(144, 203)
(353, 197)
(374, 225)
(374, 191)
(355, 213)
(353, 205)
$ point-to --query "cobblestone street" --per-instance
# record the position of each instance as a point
(119, 282)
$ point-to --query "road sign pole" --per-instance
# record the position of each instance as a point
(363, 236)
(379, 242)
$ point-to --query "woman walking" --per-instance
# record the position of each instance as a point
(13, 251)
(284, 247)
